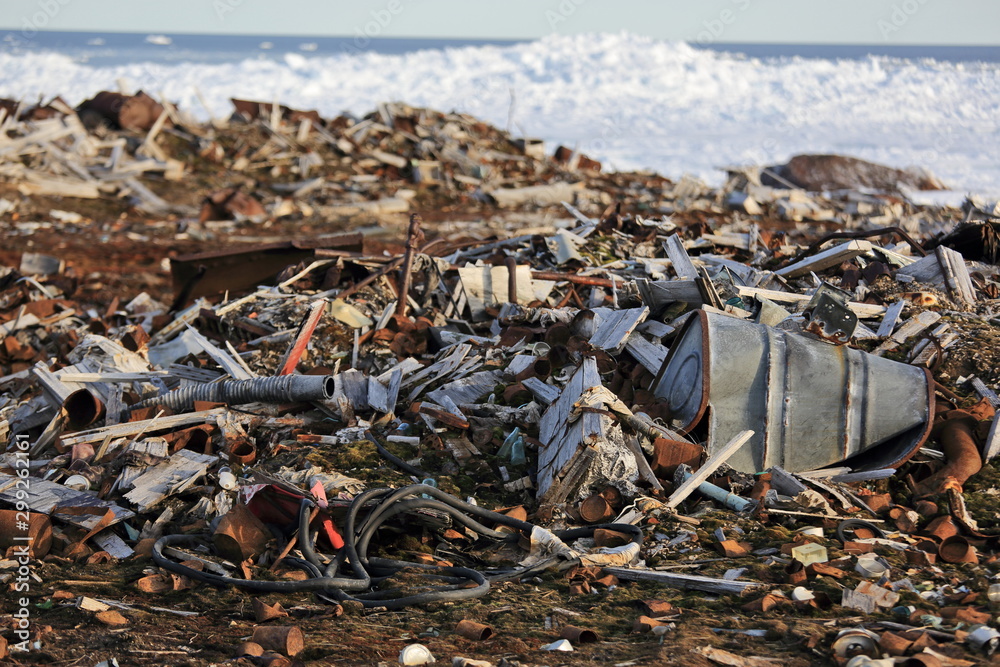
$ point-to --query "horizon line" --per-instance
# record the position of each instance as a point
(511, 40)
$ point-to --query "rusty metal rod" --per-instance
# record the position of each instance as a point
(298, 347)
(566, 297)
(347, 291)
(574, 278)
(947, 393)
(413, 238)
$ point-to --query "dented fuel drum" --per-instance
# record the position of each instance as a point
(810, 404)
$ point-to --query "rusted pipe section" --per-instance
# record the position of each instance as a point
(243, 452)
(472, 630)
(961, 452)
(82, 409)
(578, 635)
(511, 264)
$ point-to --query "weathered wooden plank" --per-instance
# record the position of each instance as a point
(985, 392)
(543, 391)
(520, 362)
(539, 195)
(613, 332)
(924, 352)
(945, 268)
(442, 366)
(124, 378)
(909, 328)
(730, 239)
(826, 259)
(113, 544)
(890, 318)
(655, 329)
(562, 439)
(353, 385)
(785, 483)
(180, 322)
(468, 389)
(432, 411)
(462, 449)
(862, 310)
(143, 426)
(156, 448)
(44, 496)
(165, 479)
(382, 395)
(686, 581)
(647, 353)
(645, 472)
(863, 476)
(488, 286)
(992, 445)
(235, 369)
(679, 259)
(722, 657)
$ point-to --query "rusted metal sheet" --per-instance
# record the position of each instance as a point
(811, 404)
(233, 270)
(837, 172)
(231, 204)
(36, 534)
(251, 110)
(130, 112)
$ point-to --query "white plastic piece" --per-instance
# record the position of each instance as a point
(227, 480)
(415, 654)
(870, 567)
(984, 638)
(77, 482)
(801, 594)
(561, 645)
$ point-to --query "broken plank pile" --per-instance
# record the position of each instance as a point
(284, 165)
(774, 424)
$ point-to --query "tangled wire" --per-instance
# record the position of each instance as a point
(376, 507)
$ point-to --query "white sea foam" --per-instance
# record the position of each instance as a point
(630, 101)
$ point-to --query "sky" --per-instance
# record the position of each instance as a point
(930, 22)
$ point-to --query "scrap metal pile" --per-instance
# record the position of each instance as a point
(695, 396)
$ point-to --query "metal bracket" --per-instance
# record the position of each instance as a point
(828, 317)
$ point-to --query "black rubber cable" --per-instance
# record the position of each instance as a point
(393, 459)
(328, 584)
(305, 537)
(407, 506)
(305, 565)
(851, 524)
(386, 504)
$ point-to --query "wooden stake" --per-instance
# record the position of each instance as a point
(710, 466)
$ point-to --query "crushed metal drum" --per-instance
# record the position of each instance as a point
(810, 404)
